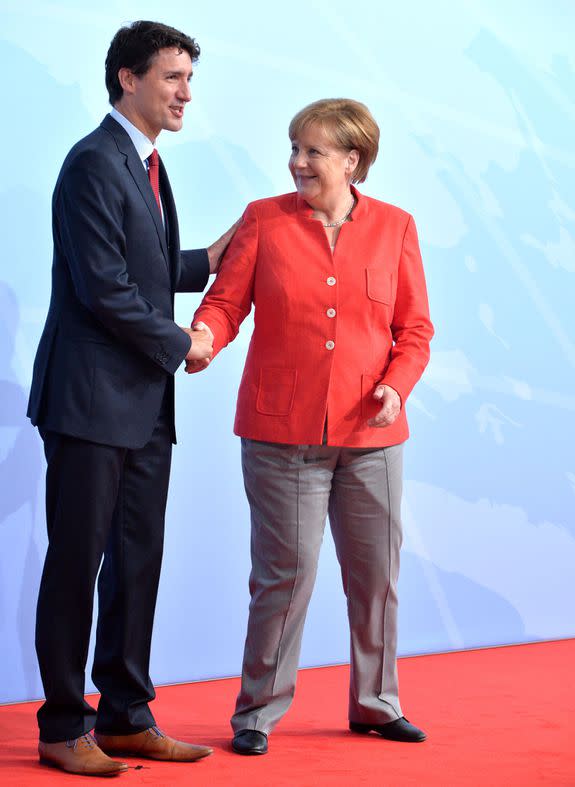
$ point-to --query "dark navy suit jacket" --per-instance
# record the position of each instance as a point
(110, 346)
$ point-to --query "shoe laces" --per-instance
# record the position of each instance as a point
(86, 741)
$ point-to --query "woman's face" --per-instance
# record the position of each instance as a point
(321, 170)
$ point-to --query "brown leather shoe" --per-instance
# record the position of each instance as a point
(81, 755)
(152, 744)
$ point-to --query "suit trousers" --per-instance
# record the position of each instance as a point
(105, 509)
(291, 489)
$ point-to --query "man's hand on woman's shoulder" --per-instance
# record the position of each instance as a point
(217, 249)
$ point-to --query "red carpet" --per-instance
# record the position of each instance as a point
(494, 717)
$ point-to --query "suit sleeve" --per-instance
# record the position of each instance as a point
(194, 271)
(229, 300)
(89, 206)
(411, 327)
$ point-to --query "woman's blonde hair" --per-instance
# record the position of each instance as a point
(348, 123)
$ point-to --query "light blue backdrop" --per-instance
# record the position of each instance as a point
(475, 103)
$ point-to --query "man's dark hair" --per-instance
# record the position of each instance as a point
(135, 46)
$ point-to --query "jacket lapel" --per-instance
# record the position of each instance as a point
(140, 176)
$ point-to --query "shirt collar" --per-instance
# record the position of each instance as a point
(143, 145)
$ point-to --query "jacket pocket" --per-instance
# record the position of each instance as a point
(369, 406)
(379, 285)
(276, 391)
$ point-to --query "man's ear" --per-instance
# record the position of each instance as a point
(127, 80)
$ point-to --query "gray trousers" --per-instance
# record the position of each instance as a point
(291, 489)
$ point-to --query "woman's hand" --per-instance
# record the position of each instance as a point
(390, 406)
(201, 326)
(196, 366)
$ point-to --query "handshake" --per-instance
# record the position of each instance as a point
(202, 349)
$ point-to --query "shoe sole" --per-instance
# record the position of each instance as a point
(50, 764)
(365, 729)
(142, 756)
(248, 753)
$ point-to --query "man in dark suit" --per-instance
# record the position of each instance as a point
(103, 398)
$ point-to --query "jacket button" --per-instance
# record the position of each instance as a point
(330, 312)
(329, 345)
(331, 280)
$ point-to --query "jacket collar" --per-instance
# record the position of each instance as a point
(359, 210)
(143, 145)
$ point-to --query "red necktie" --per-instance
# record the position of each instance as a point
(154, 175)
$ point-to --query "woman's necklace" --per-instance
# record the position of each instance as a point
(339, 222)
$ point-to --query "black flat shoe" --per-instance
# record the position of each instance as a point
(250, 742)
(398, 730)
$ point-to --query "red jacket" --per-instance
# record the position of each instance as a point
(328, 328)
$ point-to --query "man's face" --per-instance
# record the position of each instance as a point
(157, 99)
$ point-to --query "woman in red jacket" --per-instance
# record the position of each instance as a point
(341, 336)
